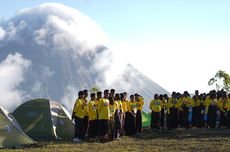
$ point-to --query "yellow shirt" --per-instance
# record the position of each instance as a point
(196, 102)
(124, 106)
(112, 109)
(140, 104)
(187, 101)
(86, 110)
(92, 110)
(119, 105)
(156, 105)
(227, 105)
(132, 106)
(79, 108)
(103, 109)
(220, 104)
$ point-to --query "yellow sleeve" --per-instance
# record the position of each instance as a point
(79, 109)
(150, 105)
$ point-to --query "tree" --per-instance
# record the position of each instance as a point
(94, 89)
(221, 80)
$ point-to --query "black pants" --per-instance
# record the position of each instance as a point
(131, 124)
(162, 117)
(155, 120)
(200, 117)
(86, 123)
(139, 121)
(103, 127)
(185, 113)
(174, 117)
(79, 128)
(211, 116)
(92, 131)
(111, 132)
(228, 119)
(222, 119)
(195, 116)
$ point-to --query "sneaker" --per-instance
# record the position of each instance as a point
(118, 138)
(76, 140)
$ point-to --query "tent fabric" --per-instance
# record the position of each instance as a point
(44, 119)
(146, 120)
(11, 134)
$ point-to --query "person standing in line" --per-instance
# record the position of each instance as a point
(211, 108)
(125, 110)
(117, 116)
(92, 131)
(86, 115)
(78, 116)
(155, 106)
(227, 107)
(140, 103)
(103, 117)
(112, 109)
(131, 117)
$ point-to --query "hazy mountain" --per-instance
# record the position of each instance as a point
(53, 51)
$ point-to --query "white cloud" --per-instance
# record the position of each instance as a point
(2, 33)
(11, 76)
(69, 97)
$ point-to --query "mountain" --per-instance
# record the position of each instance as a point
(53, 51)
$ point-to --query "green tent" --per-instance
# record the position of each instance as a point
(44, 119)
(11, 134)
(146, 120)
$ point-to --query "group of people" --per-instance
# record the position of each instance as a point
(107, 116)
(209, 110)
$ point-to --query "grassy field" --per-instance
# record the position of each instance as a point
(171, 141)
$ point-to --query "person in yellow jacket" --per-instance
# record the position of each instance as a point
(103, 116)
(112, 109)
(131, 117)
(86, 115)
(124, 110)
(140, 103)
(117, 115)
(172, 108)
(92, 131)
(227, 107)
(187, 104)
(211, 108)
(198, 110)
(221, 105)
(78, 116)
(155, 106)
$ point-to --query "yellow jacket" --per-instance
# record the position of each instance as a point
(103, 109)
(92, 110)
(227, 105)
(140, 104)
(86, 110)
(112, 109)
(79, 108)
(124, 106)
(156, 105)
(220, 104)
(132, 106)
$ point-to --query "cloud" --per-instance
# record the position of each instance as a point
(12, 70)
(2, 33)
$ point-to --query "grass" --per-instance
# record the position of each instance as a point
(171, 141)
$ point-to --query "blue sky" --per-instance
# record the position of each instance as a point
(180, 44)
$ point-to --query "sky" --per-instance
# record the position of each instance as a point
(179, 44)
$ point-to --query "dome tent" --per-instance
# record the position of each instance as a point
(146, 119)
(11, 134)
(44, 119)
